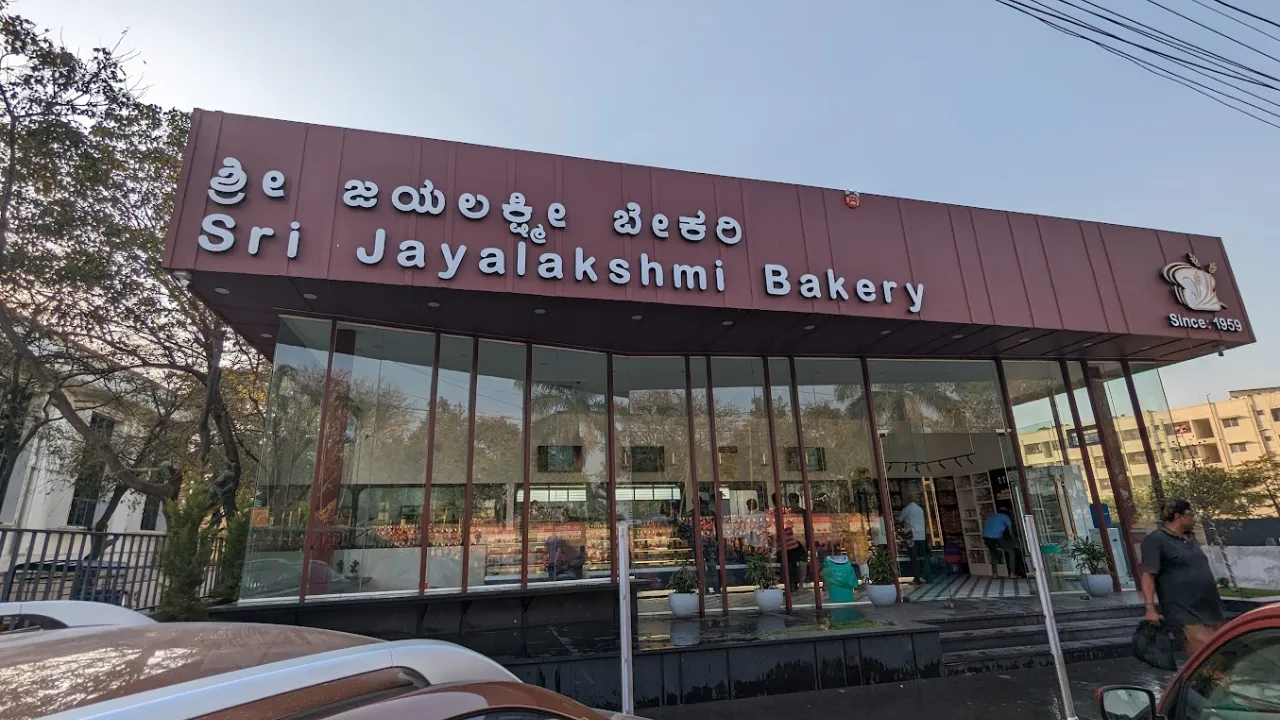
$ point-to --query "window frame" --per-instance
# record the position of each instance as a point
(1178, 694)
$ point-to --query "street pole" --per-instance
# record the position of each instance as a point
(624, 617)
(1050, 625)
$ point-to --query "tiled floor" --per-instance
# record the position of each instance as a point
(950, 588)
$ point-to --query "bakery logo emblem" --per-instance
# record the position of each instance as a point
(1193, 284)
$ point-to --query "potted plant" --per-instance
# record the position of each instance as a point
(1091, 559)
(760, 572)
(882, 578)
(684, 593)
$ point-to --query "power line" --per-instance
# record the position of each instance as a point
(1204, 4)
(1242, 11)
(1213, 30)
(1189, 58)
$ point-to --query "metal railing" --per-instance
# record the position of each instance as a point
(117, 568)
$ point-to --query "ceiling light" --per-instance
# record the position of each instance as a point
(1088, 344)
(539, 311)
(266, 335)
(885, 332)
(637, 317)
(433, 304)
(308, 296)
(727, 323)
(222, 291)
(810, 327)
(958, 336)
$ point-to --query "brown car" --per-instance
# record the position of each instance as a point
(123, 666)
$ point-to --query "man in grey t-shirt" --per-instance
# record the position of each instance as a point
(1175, 569)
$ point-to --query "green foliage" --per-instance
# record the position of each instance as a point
(1264, 475)
(1090, 555)
(231, 564)
(684, 581)
(185, 555)
(760, 571)
(882, 568)
(1215, 494)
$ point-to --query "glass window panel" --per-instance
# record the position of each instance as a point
(1167, 436)
(950, 468)
(367, 535)
(655, 493)
(795, 514)
(449, 466)
(569, 535)
(745, 464)
(1058, 483)
(846, 500)
(498, 469)
(281, 496)
(708, 511)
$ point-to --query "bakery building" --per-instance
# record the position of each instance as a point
(487, 359)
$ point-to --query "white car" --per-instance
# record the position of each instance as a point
(91, 660)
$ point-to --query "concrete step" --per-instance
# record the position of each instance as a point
(1017, 619)
(1022, 635)
(1028, 656)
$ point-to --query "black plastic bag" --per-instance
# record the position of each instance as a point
(1154, 643)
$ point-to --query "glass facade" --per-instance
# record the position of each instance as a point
(411, 462)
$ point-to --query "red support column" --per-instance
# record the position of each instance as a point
(1113, 456)
(777, 485)
(1157, 487)
(1088, 472)
(431, 456)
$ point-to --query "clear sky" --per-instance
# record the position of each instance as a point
(959, 101)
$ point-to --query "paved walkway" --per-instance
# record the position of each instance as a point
(745, 623)
(942, 589)
(1022, 694)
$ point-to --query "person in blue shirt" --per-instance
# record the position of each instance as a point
(997, 533)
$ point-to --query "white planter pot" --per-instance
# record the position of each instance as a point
(882, 595)
(683, 605)
(1096, 585)
(771, 600)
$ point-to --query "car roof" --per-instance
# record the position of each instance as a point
(451, 700)
(50, 671)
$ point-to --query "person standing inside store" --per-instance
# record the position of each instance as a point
(997, 535)
(1176, 570)
(912, 516)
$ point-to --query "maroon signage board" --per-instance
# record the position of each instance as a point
(324, 207)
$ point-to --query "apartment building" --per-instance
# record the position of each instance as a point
(1222, 434)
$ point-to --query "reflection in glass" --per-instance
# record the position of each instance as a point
(569, 535)
(837, 438)
(369, 498)
(1166, 436)
(745, 464)
(498, 468)
(651, 457)
(708, 512)
(449, 466)
(278, 518)
(795, 514)
(1093, 450)
(951, 471)
(1051, 450)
